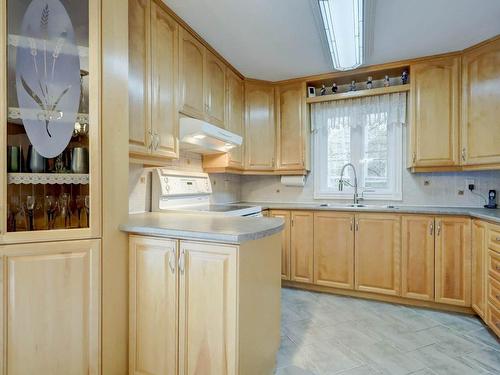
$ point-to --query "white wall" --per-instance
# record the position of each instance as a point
(226, 188)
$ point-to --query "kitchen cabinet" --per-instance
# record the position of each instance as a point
(259, 127)
(235, 116)
(51, 304)
(193, 306)
(479, 270)
(215, 89)
(435, 113)
(302, 245)
(153, 299)
(334, 249)
(417, 257)
(285, 242)
(153, 70)
(493, 291)
(292, 142)
(453, 261)
(207, 309)
(192, 75)
(480, 109)
(377, 253)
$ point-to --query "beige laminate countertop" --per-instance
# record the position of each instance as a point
(199, 227)
(492, 215)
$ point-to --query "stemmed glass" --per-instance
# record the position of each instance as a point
(80, 203)
(87, 208)
(64, 201)
(29, 207)
(14, 208)
(51, 209)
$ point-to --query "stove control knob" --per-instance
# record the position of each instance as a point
(165, 179)
(167, 187)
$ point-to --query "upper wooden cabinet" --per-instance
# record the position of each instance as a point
(235, 115)
(417, 257)
(435, 113)
(453, 261)
(215, 89)
(377, 254)
(480, 99)
(192, 75)
(292, 144)
(334, 249)
(302, 245)
(153, 70)
(259, 126)
(51, 303)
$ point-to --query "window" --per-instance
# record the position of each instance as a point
(366, 132)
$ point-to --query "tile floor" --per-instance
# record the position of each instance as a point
(327, 334)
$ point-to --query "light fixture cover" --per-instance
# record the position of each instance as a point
(344, 26)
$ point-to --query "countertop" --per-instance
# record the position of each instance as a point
(199, 227)
(492, 215)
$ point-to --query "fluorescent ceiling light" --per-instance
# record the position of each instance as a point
(343, 23)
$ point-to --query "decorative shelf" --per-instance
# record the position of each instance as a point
(359, 93)
(48, 178)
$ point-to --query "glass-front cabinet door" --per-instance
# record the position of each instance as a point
(50, 119)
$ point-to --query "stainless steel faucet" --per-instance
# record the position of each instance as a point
(355, 186)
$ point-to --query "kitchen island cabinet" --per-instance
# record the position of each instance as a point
(201, 305)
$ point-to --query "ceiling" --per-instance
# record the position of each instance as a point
(280, 39)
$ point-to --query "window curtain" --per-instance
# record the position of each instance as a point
(338, 114)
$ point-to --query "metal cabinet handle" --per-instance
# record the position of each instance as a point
(352, 224)
(157, 138)
(171, 260)
(414, 157)
(463, 154)
(431, 232)
(357, 226)
(181, 262)
(439, 229)
(151, 140)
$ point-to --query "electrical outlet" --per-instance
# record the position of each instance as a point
(469, 182)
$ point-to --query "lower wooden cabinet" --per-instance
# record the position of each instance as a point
(203, 308)
(302, 245)
(377, 253)
(207, 309)
(52, 308)
(334, 249)
(285, 242)
(453, 261)
(417, 257)
(479, 271)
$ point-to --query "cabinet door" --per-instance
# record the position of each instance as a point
(285, 242)
(479, 262)
(153, 306)
(139, 77)
(259, 127)
(480, 109)
(235, 114)
(302, 246)
(377, 253)
(191, 73)
(207, 309)
(435, 127)
(334, 249)
(52, 297)
(215, 89)
(453, 261)
(417, 257)
(291, 129)
(165, 122)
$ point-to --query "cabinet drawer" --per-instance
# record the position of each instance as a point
(494, 292)
(494, 265)
(494, 319)
(494, 238)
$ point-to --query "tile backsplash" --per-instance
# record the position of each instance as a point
(225, 188)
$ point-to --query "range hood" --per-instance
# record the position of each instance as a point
(204, 138)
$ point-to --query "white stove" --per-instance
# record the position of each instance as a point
(190, 192)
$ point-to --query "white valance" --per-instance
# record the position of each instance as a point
(388, 108)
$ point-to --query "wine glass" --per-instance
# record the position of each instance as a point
(64, 201)
(30, 208)
(50, 208)
(87, 208)
(80, 203)
(14, 208)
